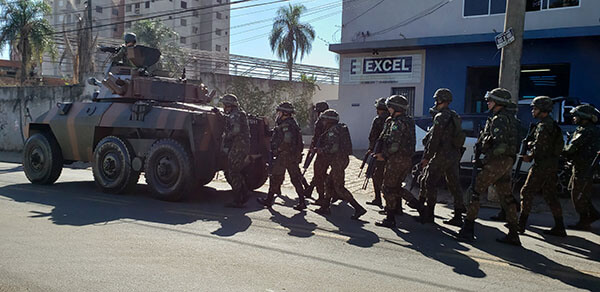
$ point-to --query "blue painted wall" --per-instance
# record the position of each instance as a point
(446, 66)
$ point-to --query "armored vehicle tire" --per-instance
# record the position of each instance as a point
(168, 170)
(256, 174)
(112, 166)
(42, 159)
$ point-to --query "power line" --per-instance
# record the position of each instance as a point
(364, 12)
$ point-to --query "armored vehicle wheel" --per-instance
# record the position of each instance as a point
(168, 170)
(256, 174)
(42, 159)
(112, 166)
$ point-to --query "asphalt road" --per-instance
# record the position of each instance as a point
(71, 237)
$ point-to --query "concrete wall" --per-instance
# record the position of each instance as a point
(37, 101)
(447, 20)
(40, 99)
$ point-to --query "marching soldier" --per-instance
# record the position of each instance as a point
(547, 143)
(320, 164)
(286, 148)
(236, 143)
(584, 144)
(397, 149)
(376, 129)
(441, 157)
(335, 145)
(499, 143)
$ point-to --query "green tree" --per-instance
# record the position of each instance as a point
(24, 28)
(155, 34)
(290, 38)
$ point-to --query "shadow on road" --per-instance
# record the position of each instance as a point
(432, 241)
(579, 247)
(14, 169)
(532, 261)
(340, 217)
(81, 204)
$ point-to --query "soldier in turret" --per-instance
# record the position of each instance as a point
(236, 144)
(286, 148)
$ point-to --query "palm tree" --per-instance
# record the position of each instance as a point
(23, 26)
(289, 37)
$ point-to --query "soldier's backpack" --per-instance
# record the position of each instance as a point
(345, 140)
(459, 136)
(559, 142)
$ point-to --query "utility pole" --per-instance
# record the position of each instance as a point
(89, 15)
(510, 62)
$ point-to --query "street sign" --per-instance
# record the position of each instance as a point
(505, 38)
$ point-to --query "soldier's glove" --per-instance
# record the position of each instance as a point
(216, 111)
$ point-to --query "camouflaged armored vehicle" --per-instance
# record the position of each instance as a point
(139, 122)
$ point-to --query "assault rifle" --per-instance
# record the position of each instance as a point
(416, 173)
(589, 174)
(371, 164)
(309, 158)
(364, 161)
(522, 152)
(477, 151)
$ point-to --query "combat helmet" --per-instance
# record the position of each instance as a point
(397, 102)
(543, 103)
(321, 106)
(586, 112)
(380, 103)
(330, 114)
(130, 37)
(286, 107)
(229, 100)
(500, 96)
(443, 95)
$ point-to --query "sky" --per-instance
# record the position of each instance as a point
(325, 16)
(250, 28)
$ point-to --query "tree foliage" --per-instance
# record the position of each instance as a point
(24, 28)
(290, 38)
(155, 34)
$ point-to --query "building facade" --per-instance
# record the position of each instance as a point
(198, 29)
(417, 46)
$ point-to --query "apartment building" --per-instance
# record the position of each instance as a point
(199, 29)
(413, 47)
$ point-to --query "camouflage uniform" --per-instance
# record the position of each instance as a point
(376, 129)
(236, 143)
(320, 164)
(444, 159)
(584, 145)
(499, 143)
(335, 146)
(542, 176)
(286, 146)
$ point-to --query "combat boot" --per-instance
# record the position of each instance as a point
(268, 201)
(500, 217)
(428, 215)
(323, 211)
(389, 222)
(558, 229)
(460, 210)
(376, 202)
(235, 204)
(511, 238)
(467, 231)
(300, 206)
(522, 223)
(358, 209)
(456, 220)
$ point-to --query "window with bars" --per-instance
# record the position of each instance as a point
(183, 4)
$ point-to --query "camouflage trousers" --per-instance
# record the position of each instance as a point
(541, 180)
(320, 174)
(236, 159)
(442, 166)
(282, 163)
(495, 172)
(581, 196)
(378, 178)
(335, 187)
(397, 167)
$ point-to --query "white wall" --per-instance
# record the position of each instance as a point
(448, 19)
